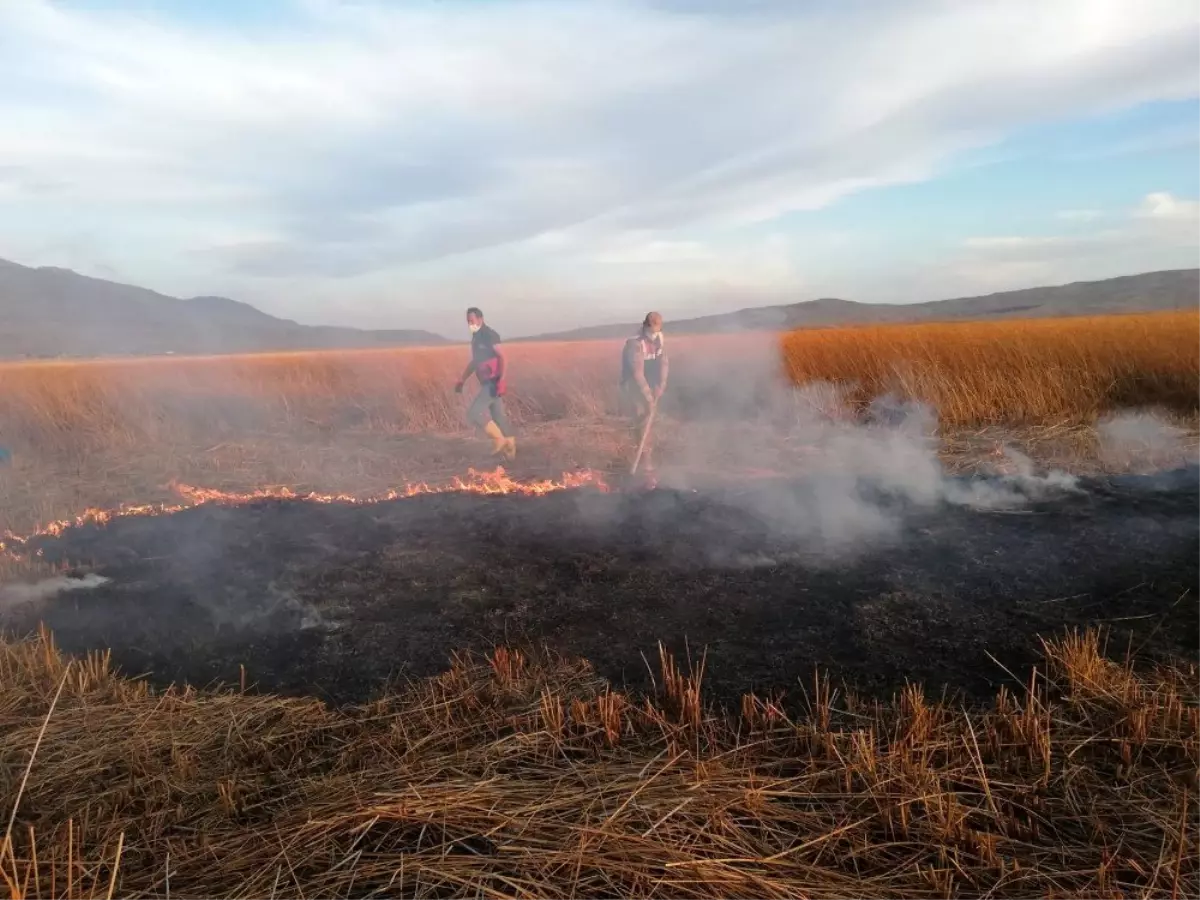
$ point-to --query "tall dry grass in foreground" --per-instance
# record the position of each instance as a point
(505, 778)
(1017, 371)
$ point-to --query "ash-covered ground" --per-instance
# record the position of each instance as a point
(772, 578)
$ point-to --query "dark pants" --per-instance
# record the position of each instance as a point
(485, 407)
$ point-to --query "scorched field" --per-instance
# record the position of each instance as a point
(912, 611)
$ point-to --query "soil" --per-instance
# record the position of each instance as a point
(338, 600)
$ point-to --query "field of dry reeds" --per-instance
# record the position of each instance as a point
(65, 406)
(1032, 371)
(105, 432)
(1046, 371)
(507, 777)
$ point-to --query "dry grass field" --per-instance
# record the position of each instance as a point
(101, 433)
(516, 776)
(77, 407)
(507, 777)
(1037, 372)
(1015, 372)
(1043, 373)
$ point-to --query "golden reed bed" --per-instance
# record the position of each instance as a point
(1045, 371)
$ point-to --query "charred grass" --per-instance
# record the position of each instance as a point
(508, 776)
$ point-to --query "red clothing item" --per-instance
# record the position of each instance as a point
(489, 367)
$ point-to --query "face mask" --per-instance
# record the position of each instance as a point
(473, 327)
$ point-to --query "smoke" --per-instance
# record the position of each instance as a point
(1143, 441)
(832, 480)
(18, 594)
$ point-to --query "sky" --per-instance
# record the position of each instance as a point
(572, 162)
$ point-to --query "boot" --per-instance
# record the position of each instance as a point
(510, 449)
(499, 441)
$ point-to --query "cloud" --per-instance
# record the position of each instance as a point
(1157, 233)
(1164, 207)
(361, 142)
(1019, 243)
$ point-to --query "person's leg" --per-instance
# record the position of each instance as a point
(500, 417)
(480, 416)
(477, 412)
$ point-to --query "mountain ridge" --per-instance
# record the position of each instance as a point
(54, 312)
(1145, 292)
(51, 311)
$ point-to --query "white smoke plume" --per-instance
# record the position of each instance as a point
(844, 480)
(19, 593)
(1143, 441)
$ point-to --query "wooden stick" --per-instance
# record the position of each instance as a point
(645, 435)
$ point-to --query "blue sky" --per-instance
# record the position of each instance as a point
(560, 163)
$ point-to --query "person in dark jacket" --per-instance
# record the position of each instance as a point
(644, 372)
(490, 367)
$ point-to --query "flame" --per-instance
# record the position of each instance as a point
(497, 482)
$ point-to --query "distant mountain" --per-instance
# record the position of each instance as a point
(57, 312)
(1176, 289)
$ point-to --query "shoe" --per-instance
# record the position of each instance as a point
(510, 449)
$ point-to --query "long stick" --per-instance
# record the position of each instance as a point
(645, 435)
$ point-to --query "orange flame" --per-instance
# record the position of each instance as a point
(497, 482)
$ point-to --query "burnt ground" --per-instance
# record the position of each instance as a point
(336, 600)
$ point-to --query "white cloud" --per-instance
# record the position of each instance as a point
(1165, 207)
(1019, 243)
(1161, 232)
(362, 150)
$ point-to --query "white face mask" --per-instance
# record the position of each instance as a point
(473, 327)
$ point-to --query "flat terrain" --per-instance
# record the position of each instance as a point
(923, 505)
(771, 580)
(842, 522)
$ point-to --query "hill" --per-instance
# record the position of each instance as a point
(1153, 291)
(57, 312)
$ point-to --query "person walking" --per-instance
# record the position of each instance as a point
(490, 367)
(644, 372)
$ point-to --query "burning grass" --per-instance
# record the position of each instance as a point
(487, 483)
(508, 776)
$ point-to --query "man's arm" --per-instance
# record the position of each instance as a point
(663, 372)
